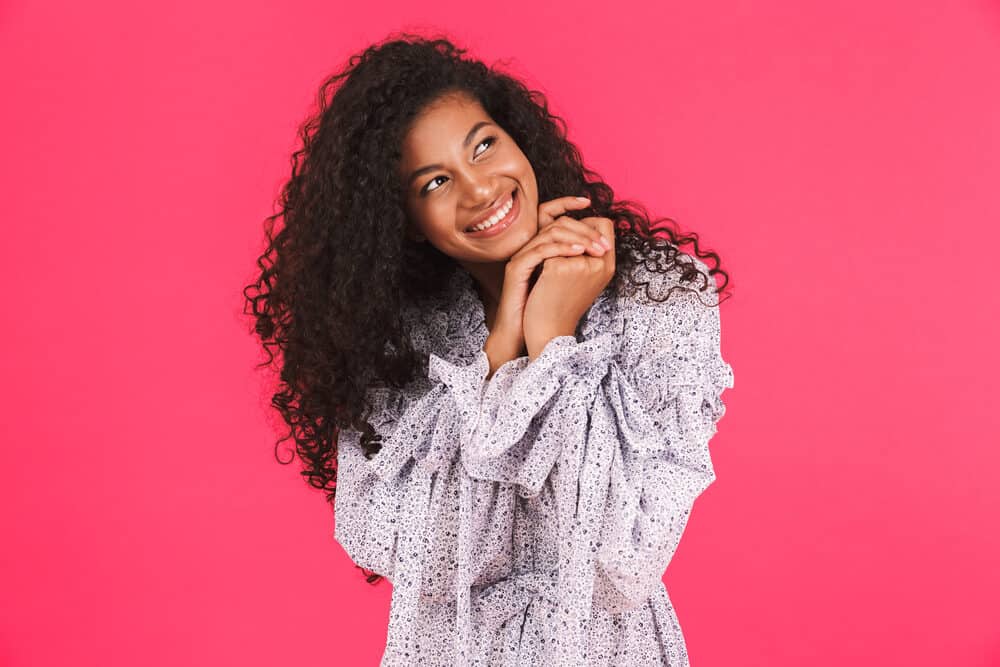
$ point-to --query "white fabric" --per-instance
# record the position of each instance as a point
(528, 519)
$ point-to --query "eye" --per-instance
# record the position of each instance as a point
(424, 190)
(491, 140)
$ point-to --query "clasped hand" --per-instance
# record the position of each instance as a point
(575, 268)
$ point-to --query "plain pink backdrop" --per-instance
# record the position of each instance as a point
(842, 158)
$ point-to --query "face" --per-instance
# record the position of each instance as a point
(460, 168)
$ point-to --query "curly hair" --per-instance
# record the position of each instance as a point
(342, 261)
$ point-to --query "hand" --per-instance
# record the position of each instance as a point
(556, 237)
(565, 291)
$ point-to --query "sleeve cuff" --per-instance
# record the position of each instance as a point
(520, 389)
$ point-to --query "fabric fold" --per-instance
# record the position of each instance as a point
(607, 432)
(411, 459)
(408, 437)
(665, 413)
(513, 400)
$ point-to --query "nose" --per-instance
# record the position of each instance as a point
(481, 190)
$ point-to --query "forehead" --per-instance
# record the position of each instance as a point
(443, 122)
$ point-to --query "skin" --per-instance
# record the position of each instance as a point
(467, 180)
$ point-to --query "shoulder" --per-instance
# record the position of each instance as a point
(653, 283)
(667, 306)
(652, 289)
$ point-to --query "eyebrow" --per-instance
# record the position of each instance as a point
(465, 144)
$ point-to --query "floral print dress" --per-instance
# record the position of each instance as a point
(528, 519)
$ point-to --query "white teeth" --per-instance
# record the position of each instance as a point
(497, 217)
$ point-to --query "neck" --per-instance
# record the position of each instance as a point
(489, 280)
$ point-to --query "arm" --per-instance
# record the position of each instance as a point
(367, 507)
(666, 408)
(648, 400)
(422, 435)
(500, 412)
(410, 514)
(404, 502)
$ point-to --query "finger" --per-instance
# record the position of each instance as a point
(606, 228)
(548, 211)
(569, 231)
(573, 231)
(586, 227)
(580, 263)
(525, 261)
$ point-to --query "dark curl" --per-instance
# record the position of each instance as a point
(332, 280)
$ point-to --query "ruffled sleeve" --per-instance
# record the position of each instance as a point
(403, 506)
(640, 400)
(366, 507)
(410, 514)
(664, 408)
(498, 412)
(486, 420)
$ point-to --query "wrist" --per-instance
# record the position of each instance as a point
(536, 344)
(500, 349)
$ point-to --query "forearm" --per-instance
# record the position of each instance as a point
(558, 384)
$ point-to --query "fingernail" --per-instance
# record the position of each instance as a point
(604, 241)
(598, 247)
(577, 246)
(583, 198)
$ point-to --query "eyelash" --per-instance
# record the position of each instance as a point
(424, 191)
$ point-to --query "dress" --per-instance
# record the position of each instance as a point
(528, 519)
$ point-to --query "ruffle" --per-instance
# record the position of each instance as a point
(665, 414)
(433, 413)
(510, 404)
(648, 482)
(492, 416)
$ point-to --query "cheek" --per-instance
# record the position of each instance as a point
(529, 174)
(437, 218)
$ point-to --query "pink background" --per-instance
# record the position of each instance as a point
(841, 157)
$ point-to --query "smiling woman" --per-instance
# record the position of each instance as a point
(505, 379)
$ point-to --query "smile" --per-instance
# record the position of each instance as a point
(499, 221)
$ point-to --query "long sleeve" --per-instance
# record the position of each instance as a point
(642, 404)
(627, 415)
(423, 432)
(665, 408)
(494, 446)
(410, 513)
(413, 478)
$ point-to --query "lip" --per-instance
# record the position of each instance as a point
(499, 228)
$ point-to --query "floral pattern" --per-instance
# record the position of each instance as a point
(528, 519)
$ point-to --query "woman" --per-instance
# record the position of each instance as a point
(506, 391)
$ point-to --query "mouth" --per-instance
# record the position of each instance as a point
(506, 216)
